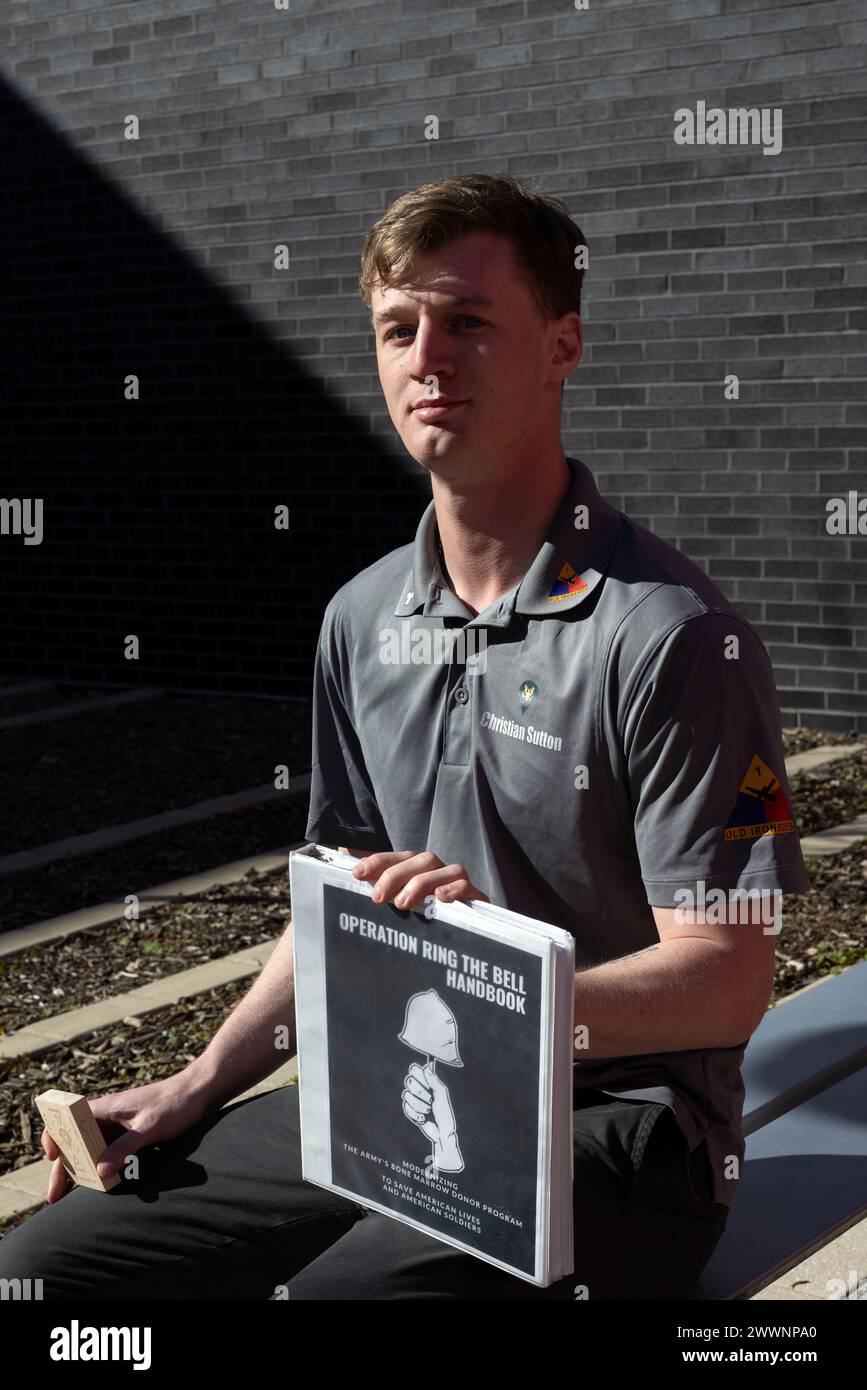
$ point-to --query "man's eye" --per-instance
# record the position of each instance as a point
(403, 326)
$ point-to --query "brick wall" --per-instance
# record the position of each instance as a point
(261, 126)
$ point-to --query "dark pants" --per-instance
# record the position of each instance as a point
(223, 1212)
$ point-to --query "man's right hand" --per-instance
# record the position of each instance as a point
(130, 1120)
(242, 1052)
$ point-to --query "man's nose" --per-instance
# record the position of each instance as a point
(431, 351)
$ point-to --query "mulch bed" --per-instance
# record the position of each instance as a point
(802, 740)
(70, 884)
(830, 795)
(111, 766)
(826, 929)
(172, 936)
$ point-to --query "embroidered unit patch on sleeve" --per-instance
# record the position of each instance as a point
(761, 808)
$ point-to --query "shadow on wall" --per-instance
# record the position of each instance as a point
(158, 514)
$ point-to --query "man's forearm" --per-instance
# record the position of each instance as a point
(672, 996)
(244, 1051)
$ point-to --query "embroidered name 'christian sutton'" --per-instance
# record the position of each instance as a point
(525, 733)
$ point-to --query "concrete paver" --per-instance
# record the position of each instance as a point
(818, 757)
(835, 840)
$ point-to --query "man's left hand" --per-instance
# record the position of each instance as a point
(406, 878)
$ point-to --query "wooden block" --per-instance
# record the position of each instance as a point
(70, 1122)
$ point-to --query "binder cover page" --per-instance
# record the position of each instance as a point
(434, 1064)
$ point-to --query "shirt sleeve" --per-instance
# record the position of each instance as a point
(705, 767)
(343, 808)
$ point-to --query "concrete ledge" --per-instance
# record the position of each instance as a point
(833, 841)
(804, 990)
(24, 1189)
(818, 757)
(843, 1259)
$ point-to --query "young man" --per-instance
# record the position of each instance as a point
(605, 756)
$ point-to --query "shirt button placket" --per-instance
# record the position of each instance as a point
(458, 715)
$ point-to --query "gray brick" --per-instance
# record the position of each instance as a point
(287, 65)
(702, 505)
(777, 651)
(753, 612)
(746, 546)
(851, 702)
(801, 699)
(839, 615)
(130, 33)
(736, 482)
(179, 24)
(821, 678)
(730, 568)
(117, 54)
(825, 636)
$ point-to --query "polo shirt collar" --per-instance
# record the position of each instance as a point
(568, 567)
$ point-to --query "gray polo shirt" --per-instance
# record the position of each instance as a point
(601, 738)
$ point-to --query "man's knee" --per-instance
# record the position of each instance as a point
(380, 1258)
(42, 1248)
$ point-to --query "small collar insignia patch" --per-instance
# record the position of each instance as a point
(566, 584)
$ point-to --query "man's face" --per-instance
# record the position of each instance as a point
(497, 357)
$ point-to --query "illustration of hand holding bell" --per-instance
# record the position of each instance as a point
(430, 1027)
